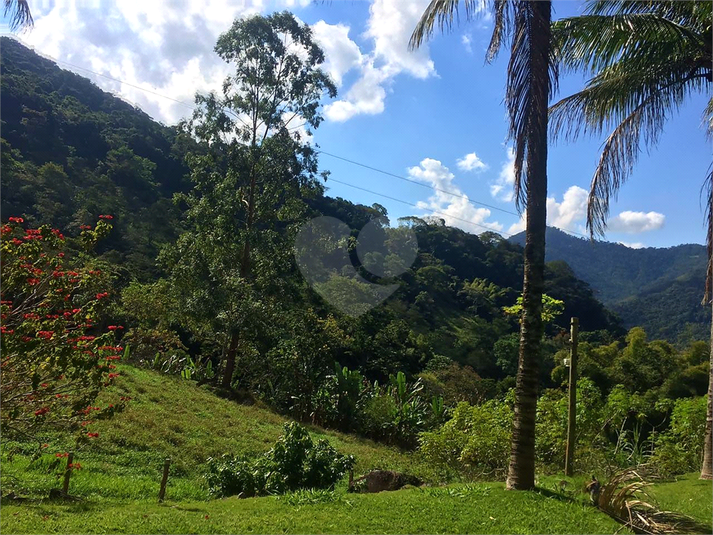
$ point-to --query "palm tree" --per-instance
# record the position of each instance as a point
(646, 58)
(532, 78)
(18, 13)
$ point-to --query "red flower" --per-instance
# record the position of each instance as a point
(32, 282)
(60, 255)
(16, 219)
(45, 445)
(57, 233)
(43, 410)
(102, 295)
(92, 435)
(61, 454)
(115, 327)
(85, 227)
(16, 241)
(106, 217)
(46, 335)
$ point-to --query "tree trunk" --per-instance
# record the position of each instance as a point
(707, 468)
(230, 362)
(521, 471)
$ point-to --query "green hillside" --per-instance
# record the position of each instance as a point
(659, 289)
(170, 417)
(72, 152)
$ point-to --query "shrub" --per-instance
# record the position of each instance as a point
(457, 383)
(396, 413)
(476, 439)
(57, 355)
(294, 462)
(680, 448)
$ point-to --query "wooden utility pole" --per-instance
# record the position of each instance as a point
(572, 413)
(164, 480)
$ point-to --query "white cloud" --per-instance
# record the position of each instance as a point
(457, 210)
(570, 214)
(502, 188)
(341, 52)
(634, 222)
(162, 46)
(634, 245)
(389, 28)
(566, 215)
(467, 43)
(471, 162)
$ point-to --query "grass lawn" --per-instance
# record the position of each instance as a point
(474, 508)
(688, 495)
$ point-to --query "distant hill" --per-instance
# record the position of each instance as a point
(659, 289)
(71, 151)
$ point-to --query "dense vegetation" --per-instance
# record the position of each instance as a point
(657, 289)
(206, 287)
(108, 157)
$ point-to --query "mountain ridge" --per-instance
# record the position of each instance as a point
(658, 288)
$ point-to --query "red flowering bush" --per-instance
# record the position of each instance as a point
(55, 357)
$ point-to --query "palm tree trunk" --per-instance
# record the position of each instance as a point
(707, 468)
(521, 471)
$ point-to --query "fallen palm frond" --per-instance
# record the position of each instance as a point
(624, 498)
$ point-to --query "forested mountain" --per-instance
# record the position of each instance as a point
(659, 289)
(72, 152)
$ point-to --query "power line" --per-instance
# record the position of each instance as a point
(416, 206)
(412, 181)
(353, 162)
(123, 82)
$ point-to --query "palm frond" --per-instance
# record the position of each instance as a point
(636, 104)
(18, 13)
(502, 26)
(442, 14)
(594, 42)
(695, 14)
(708, 119)
(527, 91)
(625, 499)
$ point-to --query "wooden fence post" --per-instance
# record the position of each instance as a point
(68, 473)
(164, 480)
(572, 413)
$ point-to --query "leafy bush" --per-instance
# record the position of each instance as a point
(294, 462)
(57, 351)
(680, 448)
(397, 413)
(475, 440)
(457, 383)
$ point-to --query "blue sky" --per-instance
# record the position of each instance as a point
(416, 115)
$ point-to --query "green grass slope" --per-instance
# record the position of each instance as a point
(171, 417)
